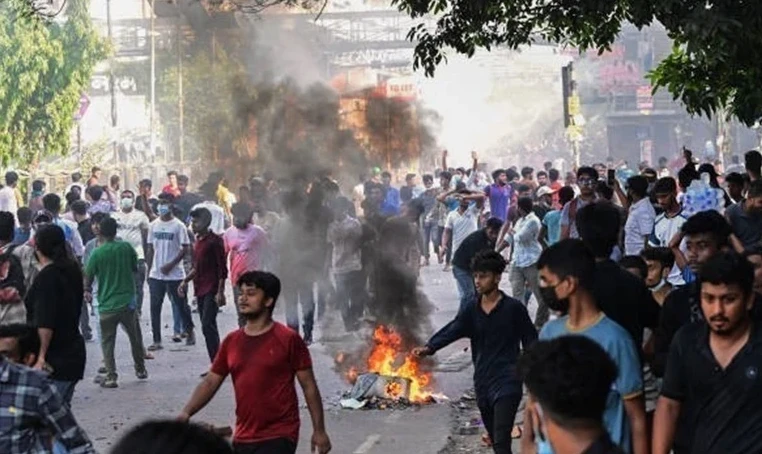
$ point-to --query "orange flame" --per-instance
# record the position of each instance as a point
(386, 350)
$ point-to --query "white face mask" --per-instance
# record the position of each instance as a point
(540, 436)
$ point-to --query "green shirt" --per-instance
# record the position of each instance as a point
(113, 264)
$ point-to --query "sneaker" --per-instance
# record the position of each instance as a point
(141, 374)
(191, 339)
(154, 347)
(109, 383)
(183, 335)
(102, 370)
(148, 355)
(308, 339)
(98, 379)
(177, 338)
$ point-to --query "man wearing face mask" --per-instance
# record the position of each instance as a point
(168, 243)
(570, 406)
(567, 273)
(497, 326)
(659, 262)
(133, 228)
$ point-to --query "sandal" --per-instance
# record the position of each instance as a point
(486, 440)
(517, 432)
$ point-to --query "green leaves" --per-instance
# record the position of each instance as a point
(45, 67)
(716, 62)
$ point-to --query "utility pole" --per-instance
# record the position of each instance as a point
(112, 83)
(180, 102)
(153, 83)
(572, 111)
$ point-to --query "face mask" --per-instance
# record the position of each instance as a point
(658, 286)
(550, 298)
(543, 442)
(163, 210)
(126, 202)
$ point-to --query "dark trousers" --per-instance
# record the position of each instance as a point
(448, 254)
(297, 294)
(207, 312)
(276, 446)
(430, 233)
(109, 324)
(498, 419)
(158, 289)
(351, 297)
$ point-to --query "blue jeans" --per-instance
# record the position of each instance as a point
(66, 390)
(465, 282)
(158, 288)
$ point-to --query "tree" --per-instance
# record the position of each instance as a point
(715, 62)
(46, 66)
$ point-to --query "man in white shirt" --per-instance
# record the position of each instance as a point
(640, 218)
(132, 227)
(459, 224)
(8, 201)
(168, 243)
(669, 223)
(76, 182)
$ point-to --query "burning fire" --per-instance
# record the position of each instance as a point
(384, 358)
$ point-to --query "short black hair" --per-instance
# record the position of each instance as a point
(79, 207)
(709, 222)
(166, 197)
(98, 217)
(570, 377)
(634, 262)
(145, 183)
(604, 190)
(526, 171)
(26, 335)
(267, 282)
(488, 261)
(183, 179)
(734, 178)
(494, 224)
(598, 226)
(663, 255)
(753, 161)
(95, 169)
(172, 172)
(565, 194)
(665, 185)
(11, 178)
(554, 174)
(445, 175)
(114, 179)
(75, 177)
(7, 226)
(638, 184)
(202, 214)
(542, 173)
(511, 174)
(386, 174)
(171, 437)
(428, 178)
(569, 258)
(589, 171)
(108, 227)
(729, 268)
(127, 191)
(52, 203)
(38, 185)
(95, 192)
(496, 174)
(242, 210)
(525, 203)
(24, 215)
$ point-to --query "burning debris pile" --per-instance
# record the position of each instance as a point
(392, 377)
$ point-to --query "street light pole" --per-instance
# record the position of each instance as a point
(153, 82)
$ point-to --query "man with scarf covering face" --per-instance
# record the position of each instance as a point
(208, 275)
(567, 272)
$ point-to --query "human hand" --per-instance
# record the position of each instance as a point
(181, 288)
(183, 417)
(220, 299)
(321, 444)
(422, 351)
(166, 269)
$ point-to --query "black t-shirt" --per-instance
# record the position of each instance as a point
(625, 299)
(85, 230)
(603, 445)
(54, 301)
(721, 410)
(471, 245)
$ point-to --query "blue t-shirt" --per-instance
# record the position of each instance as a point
(688, 275)
(21, 236)
(619, 345)
(552, 223)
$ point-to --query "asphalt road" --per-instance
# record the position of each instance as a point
(107, 413)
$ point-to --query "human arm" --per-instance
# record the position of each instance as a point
(674, 246)
(525, 327)
(629, 384)
(636, 413)
(201, 395)
(219, 256)
(669, 404)
(181, 289)
(320, 441)
(736, 243)
(565, 222)
(457, 329)
(169, 266)
(442, 197)
(46, 335)
(445, 240)
(621, 195)
(528, 445)
(58, 419)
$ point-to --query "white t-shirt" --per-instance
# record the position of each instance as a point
(665, 228)
(8, 200)
(130, 228)
(218, 216)
(462, 225)
(640, 224)
(167, 239)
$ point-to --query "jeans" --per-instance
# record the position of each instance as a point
(430, 234)
(465, 282)
(109, 324)
(498, 419)
(140, 280)
(207, 312)
(158, 288)
(294, 295)
(66, 390)
(520, 276)
(448, 254)
(351, 297)
(275, 446)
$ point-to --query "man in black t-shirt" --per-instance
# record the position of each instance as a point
(472, 245)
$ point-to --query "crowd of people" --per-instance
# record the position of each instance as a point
(642, 339)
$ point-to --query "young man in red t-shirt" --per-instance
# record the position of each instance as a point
(263, 358)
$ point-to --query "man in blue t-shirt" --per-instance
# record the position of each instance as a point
(566, 271)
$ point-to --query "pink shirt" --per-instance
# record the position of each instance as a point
(245, 248)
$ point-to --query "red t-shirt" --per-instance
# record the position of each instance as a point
(263, 369)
